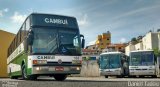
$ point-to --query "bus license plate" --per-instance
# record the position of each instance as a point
(59, 69)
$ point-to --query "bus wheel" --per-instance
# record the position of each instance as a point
(106, 76)
(141, 76)
(14, 77)
(24, 75)
(60, 77)
(154, 76)
(132, 76)
(119, 76)
(32, 77)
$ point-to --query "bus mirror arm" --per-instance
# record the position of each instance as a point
(83, 41)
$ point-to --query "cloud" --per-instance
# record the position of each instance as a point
(6, 10)
(123, 40)
(18, 18)
(3, 11)
(91, 42)
(83, 21)
(140, 10)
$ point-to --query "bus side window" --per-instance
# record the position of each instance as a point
(27, 26)
(75, 41)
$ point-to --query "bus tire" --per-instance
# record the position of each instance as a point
(24, 75)
(13, 77)
(119, 76)
(154, 76)
(132, 76)
(141, 76)
(32, 77)
(60, 77)
(106, 76)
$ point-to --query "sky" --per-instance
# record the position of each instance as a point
(125, 19)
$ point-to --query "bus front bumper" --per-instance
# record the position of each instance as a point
(141, 72)
(111, 72)
(46, 70)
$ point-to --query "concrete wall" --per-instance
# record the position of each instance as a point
(5, 40)
(90, 68)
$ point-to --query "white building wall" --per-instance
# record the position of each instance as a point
(139, 46)
(150, 41)
(147, 42)
(155, 40)
(129, 48)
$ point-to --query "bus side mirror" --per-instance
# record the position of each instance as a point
(83, 41)
(30, 38)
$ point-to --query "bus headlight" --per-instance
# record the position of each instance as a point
(78, 68)
(37, 68)
(39, 61)
(75, 68)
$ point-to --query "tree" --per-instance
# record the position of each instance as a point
(134, 40)
(156, 52)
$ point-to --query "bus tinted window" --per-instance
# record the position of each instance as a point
(142, 58)
(135, 59)
(45, 41)
(110, 61)
(147, 58)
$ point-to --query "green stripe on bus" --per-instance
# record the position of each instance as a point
(19, 73)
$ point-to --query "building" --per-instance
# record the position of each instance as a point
(151, 41)
(5, 40)
(89, 52)
(103, 40)
(130, 47)
(115, 47)
(139, 46)
(91, 47)
(148, 42)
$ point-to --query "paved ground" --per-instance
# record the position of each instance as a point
(82, 82)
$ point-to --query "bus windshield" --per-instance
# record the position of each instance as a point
(110, 61)
(142, 58)
(56, 41)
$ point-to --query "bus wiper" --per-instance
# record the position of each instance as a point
(53, 49)
(54, 45)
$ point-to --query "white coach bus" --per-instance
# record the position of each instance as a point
(46, 45)
(143, 63)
